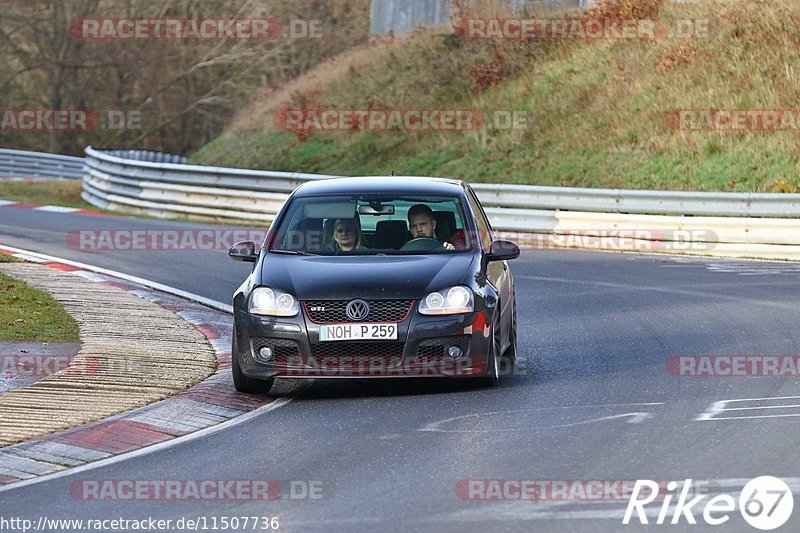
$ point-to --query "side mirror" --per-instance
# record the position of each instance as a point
(503, 251)
(244, 251)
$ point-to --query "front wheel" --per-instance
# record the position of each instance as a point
(241, 382)
(492, 376)
(510, 355)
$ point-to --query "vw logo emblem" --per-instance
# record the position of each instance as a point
(357, 310)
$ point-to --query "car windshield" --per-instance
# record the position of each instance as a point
(372, 225)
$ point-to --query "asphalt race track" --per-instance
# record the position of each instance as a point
(592, 399)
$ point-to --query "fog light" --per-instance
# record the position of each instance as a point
(265, 353)
(454, 352)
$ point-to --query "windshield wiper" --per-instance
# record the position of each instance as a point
(292, 252)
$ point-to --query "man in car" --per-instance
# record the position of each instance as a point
(422, 223)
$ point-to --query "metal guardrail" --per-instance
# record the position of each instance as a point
(22, 164)
(114, 165)
(147, 155)
(640, 202)
(170, 189)
(740, 225)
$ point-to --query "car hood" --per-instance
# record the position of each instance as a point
(373, 277)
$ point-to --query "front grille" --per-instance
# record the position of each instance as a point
(334, 311)
(438, 347)
(281, 348)
(357, 349)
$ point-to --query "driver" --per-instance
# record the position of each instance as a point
(422, 223)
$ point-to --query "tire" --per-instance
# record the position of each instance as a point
(241, 382)
(492, 376)
(510, 355)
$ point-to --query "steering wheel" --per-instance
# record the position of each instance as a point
(422, 244)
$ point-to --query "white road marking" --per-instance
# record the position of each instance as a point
(740, 267)
(759, 416)
(721, 407)
(753, 269)
(635, 418)
(30, 258)
(762, 407)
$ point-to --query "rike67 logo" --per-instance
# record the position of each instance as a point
(765, 503)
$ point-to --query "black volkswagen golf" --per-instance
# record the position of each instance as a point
(375, 277)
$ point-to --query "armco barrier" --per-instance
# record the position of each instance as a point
(176, 190)
(732, 224)
(21, 164)
(640, 202)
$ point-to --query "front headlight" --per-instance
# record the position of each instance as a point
(448, 302)
(272, 302)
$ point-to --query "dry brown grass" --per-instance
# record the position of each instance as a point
(782, 185)
(685, 54)
(625, 9)
(307, 86)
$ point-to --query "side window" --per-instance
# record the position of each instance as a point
(484, 228)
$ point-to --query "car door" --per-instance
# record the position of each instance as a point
(496, 271)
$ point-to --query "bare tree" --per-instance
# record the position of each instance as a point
(185, 90)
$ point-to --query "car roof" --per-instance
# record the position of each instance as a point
(382, 184)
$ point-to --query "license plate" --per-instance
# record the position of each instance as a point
(358, 332)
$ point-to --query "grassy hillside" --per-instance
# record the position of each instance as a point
(597, 110)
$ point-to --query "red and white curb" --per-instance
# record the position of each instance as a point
(53, 208)
(196, 412)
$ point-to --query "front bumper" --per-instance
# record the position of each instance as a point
(420, 351)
